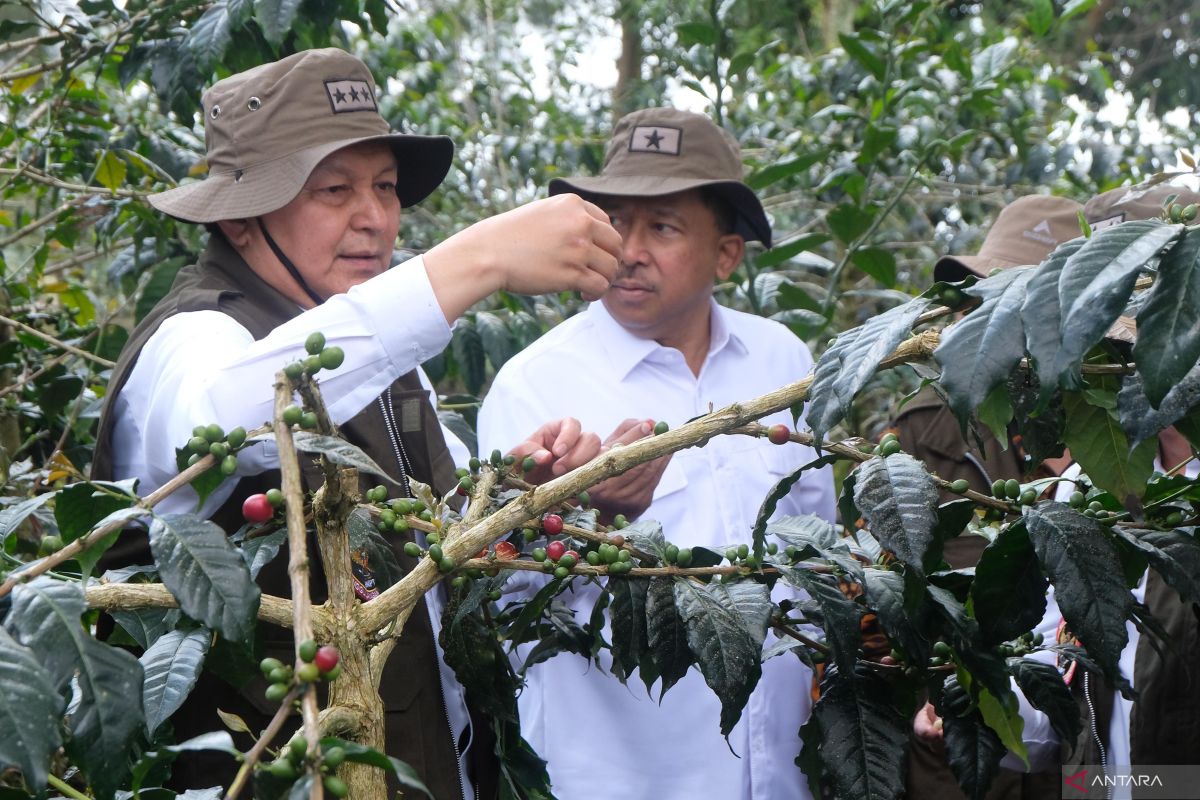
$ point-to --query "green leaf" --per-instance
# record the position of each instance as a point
(1088, 583)
(12, 517)
(966, 630)
(381, 558)
(1140, 421)
(991, 61)
(473, 652)
(846, 365)
(628, 617)
(172, 666)
(205, 573)
(880, 264)
(876, 139)
(841, 615)
(973, 752)
(816, 538)
(467, 346)
(884, 591)
(339, 451)
(1041, 314)
(31, 711)
(110, 171)
(1095, 285)
(1099, 445)
(1008, 595)
(497, 339)
(1168, 325)
(718, 637)
(1043, 687)
(146, 625)
(1002, 715)
(262, 550)
(1076, 7)
(694, 33)
(898, 498)
(780, 490)
(1040, 16)
(275, 18)
(978, 352)
(361, 754)
(666, 633)
(777, 172)
(647, 535)
(206, 482)
(209, 37)
(863, 54)
(46, 618)
(848, 222)
(1175, 556)
(782, 252)
(863, 737)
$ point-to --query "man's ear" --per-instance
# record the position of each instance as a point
(731, 248)
(237, 231)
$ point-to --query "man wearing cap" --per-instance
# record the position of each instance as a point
(303, 199)
(659, 348)
(1025, 232)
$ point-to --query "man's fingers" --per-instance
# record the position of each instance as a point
(640, 429)
(568, 434)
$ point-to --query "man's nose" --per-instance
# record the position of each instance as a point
(633, 246)
(370, 210)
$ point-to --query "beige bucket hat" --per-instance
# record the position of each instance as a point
(660, 151)
(1026, 231)
(265, 130)
(1127, 203)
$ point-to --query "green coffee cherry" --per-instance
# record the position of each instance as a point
(528, 465)
(294, 370)
(214, 433)
(334, 757)
(684, 557)
(292, 415)
(308, 673)
(229, 465)
(959, 486)
(315, 343)
(1077, 500)
(1012, 488)
(236, 437)
(308, 420)
(219, 450)
(332, 357)
(282, 768)
(275, 497)
(198, 444)
(998, 488)
(889, 448)
(307, 650)
(276, 692)
(661, 427)
(435, 552)
(269, 665)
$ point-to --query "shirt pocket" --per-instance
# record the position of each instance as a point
(674, 479)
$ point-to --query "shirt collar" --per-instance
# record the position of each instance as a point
(625, 351)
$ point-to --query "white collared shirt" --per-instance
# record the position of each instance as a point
(201, 367)
(604, 740)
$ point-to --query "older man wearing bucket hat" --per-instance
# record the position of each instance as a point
(659, 348)
(303, 198)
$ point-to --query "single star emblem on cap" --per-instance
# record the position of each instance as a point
(339, 96)
(654, 140)
(353, 93)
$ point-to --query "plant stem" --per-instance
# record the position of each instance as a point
(45, 337)
(66, 789)
(252, 757)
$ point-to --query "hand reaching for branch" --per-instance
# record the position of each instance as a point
(927, 725)
(630, 493)
(557, 448)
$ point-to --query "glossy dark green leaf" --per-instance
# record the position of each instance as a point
(171, 666)
(497, 339)
(863, 53)
(30, 713)
(863, 737)
(210, 35)
(627, 615)
(381, 558)
(1175, 555)
(693, 33)
(647, 535)
(262, 550)
(666, 633)
(1040, 16)
(206, 482)
(339, 451)
(1043, 687)
(1140, 420)
(973, 752)
(205, 573)
(898, 498)
(1008, 596)
(782, 252)
(966, 629)
(780, 490)
(846, 366)
(1168, 325)
(841, 615)
(1098, 443)
(880, 264)
(12, 517)
(1041, 314)
(990, 62)
(275, 18)
(848, 222)
(815, 537)
(720, 639)
(1095, 285)
(1082, 563)
(467, 346)
(885, 593)
(145, 625)
(978, 352)
(361, 754)
(480, 665)
(777, 172)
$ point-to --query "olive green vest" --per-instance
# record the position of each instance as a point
(417, 726)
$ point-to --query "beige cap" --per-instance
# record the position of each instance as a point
(1026, 231)
(660, 151)
(267, 128)
(1127, 203)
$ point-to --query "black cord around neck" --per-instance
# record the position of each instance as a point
(288, 265)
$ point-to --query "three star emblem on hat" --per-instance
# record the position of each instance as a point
(350, 95)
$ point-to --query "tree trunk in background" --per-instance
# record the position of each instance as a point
(10, 430)
(834, 17)
(629, 63)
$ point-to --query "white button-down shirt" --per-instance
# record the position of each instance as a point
(604, 740)
(202, 366)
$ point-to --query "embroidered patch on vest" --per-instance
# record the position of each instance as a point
(655, 139)
(410, 414)
(350, 95)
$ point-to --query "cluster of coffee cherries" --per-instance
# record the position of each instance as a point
(212, 440)
(317, 663)
(319, 357)
(260, 508)
(292, 760)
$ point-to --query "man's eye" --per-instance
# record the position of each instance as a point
(386, 186)
(334, 190)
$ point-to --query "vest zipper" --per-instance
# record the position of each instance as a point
(1087, 697)
(389, 422)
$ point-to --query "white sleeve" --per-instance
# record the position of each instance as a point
(202, 367)
(814, 492)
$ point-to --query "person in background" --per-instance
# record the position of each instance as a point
(659, 348)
